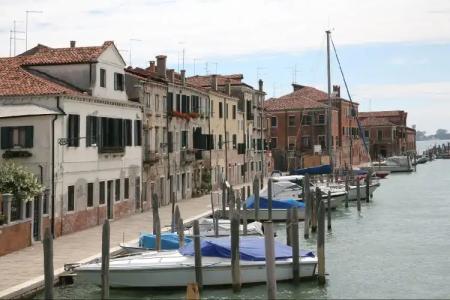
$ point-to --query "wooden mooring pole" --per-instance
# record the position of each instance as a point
(295, 246)
(329, 210)
(180, 232)
(321, 243)
(288, 226)
(369, 174)
(235, 257)
(105, 259)
(155, 211)
(347, 188)
(198, 256)
(48, 264)
(256, 195)
(270, 260)
(269, 199)
(307, 201)
(244, 219)
(358, 195)
(224, 200)
(192, 292)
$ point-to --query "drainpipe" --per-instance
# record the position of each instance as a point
(52, 225)
(225, 117)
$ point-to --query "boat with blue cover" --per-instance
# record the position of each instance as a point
(176, 268)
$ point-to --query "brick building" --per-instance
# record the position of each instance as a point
(388, 133)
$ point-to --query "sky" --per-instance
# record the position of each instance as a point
(395, 53)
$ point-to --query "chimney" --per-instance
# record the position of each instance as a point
(152, 66)
(228, 88)
(297, 86)
(260, 82)
(161, 65)
(183, 77)
(337, 90)
(171, 75)
(72, 44)
(214, 82)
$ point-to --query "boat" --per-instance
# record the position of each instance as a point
(170, 241)
(317, 170)
(176, 268)
(421, 159)
(392, 164)
(382, 174)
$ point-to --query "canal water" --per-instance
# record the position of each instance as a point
(397, 247)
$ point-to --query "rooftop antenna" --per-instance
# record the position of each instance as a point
(14, 35)
(27, 12)
(206, 68)
(195, 60)
(131, 44)
(214, 63)
(10, 42)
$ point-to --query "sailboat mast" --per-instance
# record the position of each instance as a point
(329, 110)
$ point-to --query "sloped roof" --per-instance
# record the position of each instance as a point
(205, 81)
(374, 121)
(20, 110)
(386, 113)
(43, 55)
(17, 81)
(292, 101)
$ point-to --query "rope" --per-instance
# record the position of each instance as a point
(361, 131)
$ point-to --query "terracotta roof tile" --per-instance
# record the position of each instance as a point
(376, 121)
(387, 113)
(296, 100)
(205, 81)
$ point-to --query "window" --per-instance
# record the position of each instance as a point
(184, 139)
(164, 139)
(234, 111)
(291, 121)
(366, 134)
(137, 133)
(73, 133)
(90, 194)
(117, 190)
(273, 143)
(306, 142)
(157, 103)
(220, 141)
(380, 135)
(226, 111)
(157, 140)
(102, 78)
(169, 102)
(128, 133)
(111, 135)
(220, 110)
(291, 142)
(170, 142)
(273, 121)
(321, 119)
(188, 179)
(164, 106)
(118, 82)
(101, 196)
(306, 120)
(91, 130)
(178, 182)
(126, 188)
(322, 141)
(147, 99)
(70, 198)
(234, 141)
(17, 137)
(178, 102)
(211, 105)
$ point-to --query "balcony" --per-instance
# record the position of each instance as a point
(151, 157)
(187, 156)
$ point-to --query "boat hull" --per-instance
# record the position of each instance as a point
(353, 191)
(263, 215)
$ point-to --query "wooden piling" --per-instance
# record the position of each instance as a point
(329, 210)
(105, 259)
(369, 174)
(216, 224)
(48, 264)
(224, 200)
(269, 198)
(177, 215)
(192, 292)
(321, 243)
(288, 226)
(173, 223)
(307, 201)
(198, 256)
(180, 232)
(347, 188)
(295, 245)
(238, 201)
(256, 195)
(270, 260)
(155, 211)
(158, 235)
(231, 201)
(235, 256)
(358, 195)
(244, 219)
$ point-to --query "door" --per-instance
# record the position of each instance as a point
(109, 202)
(183, 185)
(37, 216)
(137, 190)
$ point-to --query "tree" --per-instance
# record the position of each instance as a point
(16, 180)
(442, 134)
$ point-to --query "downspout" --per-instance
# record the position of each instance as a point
(168, 113)
(52, 225)
(225, 117)
(209, 137)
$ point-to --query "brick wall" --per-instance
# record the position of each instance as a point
(15, 237)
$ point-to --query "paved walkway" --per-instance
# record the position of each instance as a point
(25, 267)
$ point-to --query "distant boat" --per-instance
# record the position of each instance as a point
(392, 164)
(176, 268)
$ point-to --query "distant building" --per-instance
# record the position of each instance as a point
(388, 133)
(65, 116)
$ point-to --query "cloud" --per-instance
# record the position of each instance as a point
(227, 28)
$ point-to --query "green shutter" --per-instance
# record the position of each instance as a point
(29, 136)
(6, 133)
(77, 130)
(88, 131)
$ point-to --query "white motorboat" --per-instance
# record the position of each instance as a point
(353, 191)
(278, 214)
(172, 269)
(392, 164)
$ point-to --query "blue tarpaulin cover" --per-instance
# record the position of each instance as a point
(169, 241)
(250, 248)
(322, 169)
(279, 203)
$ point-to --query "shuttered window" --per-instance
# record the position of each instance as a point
(12, 137)
(70, 198)
(118, 82)
(178, 102)
(102, 78)
(117, 189)
(73, 131)
(90, 194)
(137, 132)
(91, 130)
(126, 188)
(128, 134)
(101, 196)
(220, 110)
(170, 142)
(169, 103)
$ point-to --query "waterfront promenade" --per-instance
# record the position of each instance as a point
(23, 268)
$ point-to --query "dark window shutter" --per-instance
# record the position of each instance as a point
(137, 133)
(88, 131)
(77, 130)
(169, 102)
(29, 137)
(115, 81)
(6, 133)
(178, 102)
(188, 104)
(170, 142)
